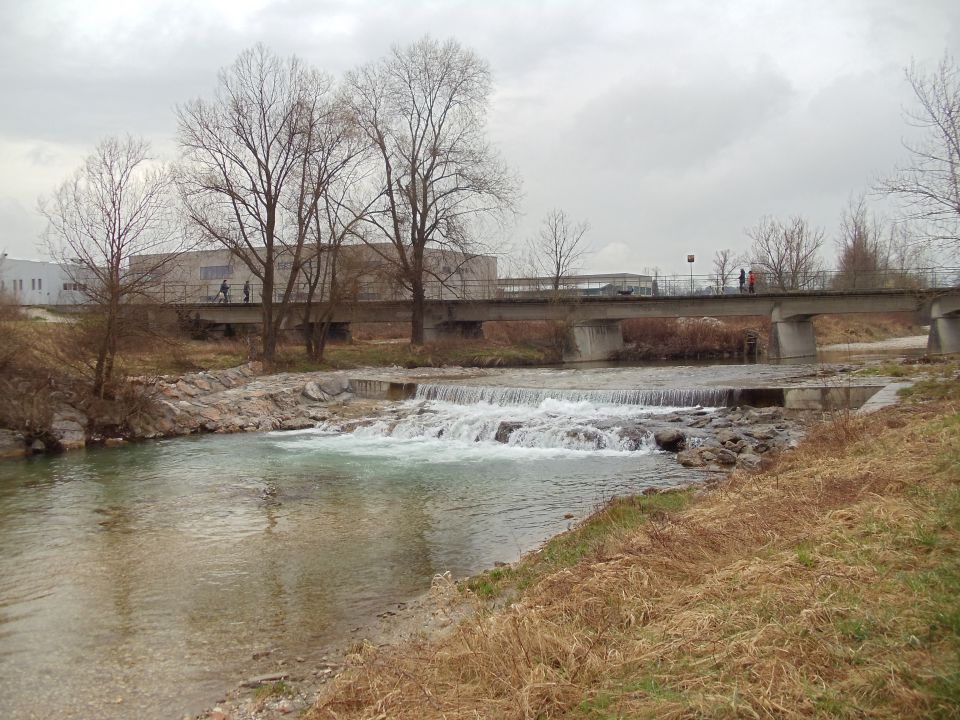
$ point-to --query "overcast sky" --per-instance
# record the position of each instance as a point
(669, 126)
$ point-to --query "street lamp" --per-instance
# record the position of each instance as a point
(690, 260)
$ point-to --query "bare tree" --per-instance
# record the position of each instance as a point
(558, 249)
(862, 248)
(787, 254)
(724, 267)
(330, 276)
(929, 186)
(257, 160)
(423, 110)
(117, 205)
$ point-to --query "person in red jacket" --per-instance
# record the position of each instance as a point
(751, 281)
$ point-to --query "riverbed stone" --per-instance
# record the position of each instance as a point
(690, 458)
(670, 439)
(505, 429)
(761, 432)
(725, 436)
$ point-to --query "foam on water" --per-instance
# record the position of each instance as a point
(441, 431)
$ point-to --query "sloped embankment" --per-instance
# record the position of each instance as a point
(825, 586)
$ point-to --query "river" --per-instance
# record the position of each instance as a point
(142, 581)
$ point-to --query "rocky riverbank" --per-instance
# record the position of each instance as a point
(242, 399)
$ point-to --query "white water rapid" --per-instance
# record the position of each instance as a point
(449, 422)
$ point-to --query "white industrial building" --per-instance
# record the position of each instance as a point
(37, 282)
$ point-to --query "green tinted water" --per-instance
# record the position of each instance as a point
(140, 581)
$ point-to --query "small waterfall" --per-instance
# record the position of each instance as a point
(504, 396)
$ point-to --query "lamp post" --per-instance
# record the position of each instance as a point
(690, 260)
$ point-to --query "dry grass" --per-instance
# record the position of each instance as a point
(666, 338)
(825, 587)
(868, 327)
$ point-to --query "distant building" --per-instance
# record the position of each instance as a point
(602, 285)
(364, 275)
(38, 282)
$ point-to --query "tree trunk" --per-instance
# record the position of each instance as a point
(416, 318)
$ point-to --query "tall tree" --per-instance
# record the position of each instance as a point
(787, 254)
(256, 165)
(558, 249)
(929, 185)
(423, 111)
(118, 204)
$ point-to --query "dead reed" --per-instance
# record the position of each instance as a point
(668, 338)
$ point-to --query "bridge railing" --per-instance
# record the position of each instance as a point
(570, 289)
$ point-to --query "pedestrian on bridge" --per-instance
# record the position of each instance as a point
(751, 282)
(225, 291)
(246, 292)
(743, 281)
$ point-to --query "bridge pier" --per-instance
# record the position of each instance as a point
(944, 335)
(593, 340)
(453, 330)
(791, 338)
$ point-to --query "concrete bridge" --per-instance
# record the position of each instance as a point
(594, 322)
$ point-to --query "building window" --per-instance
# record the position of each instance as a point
(215, 272)
(39, 283)
(33, 284)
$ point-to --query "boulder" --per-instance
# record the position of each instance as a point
(505, 430)
(69, 428)
(761, 432)
(334, 385)
(724, 456)
(312, 391)
(670, 439)
(725, 436)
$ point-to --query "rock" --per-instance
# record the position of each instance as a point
(670, 439)
(187, 389)
(761, 432)
(749, 461)
(505, 429)
(690, 458)
(11, 445)
(725, 436)
(69, 428)
(312, 391)
(699, 422)
(588, 437)
(114, 442)
(724, 456)
(38, 447)
(634, 437)
(264, 679)
(334, 385)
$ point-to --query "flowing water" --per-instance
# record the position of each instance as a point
(141, 581)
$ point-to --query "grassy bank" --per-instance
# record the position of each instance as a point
(827, 586)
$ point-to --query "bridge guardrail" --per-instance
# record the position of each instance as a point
(520, 288)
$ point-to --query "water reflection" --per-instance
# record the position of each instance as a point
(139, 582)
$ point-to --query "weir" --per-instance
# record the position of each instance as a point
(658, 397)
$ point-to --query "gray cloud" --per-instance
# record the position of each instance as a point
(670, 126)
